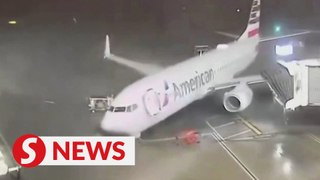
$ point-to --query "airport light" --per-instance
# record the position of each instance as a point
(287, 167)
(279, 151)
(12, 22)
(284, 50)
(277, 28)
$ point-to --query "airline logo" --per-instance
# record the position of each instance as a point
(253, 32)
(30, 150)
(193, 84)
(254, 18)
(255, 13)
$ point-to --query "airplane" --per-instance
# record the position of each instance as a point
(161, 93)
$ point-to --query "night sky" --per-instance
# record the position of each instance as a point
(164, 14)
(285, 8)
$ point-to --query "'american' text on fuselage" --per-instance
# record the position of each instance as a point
(193, 84)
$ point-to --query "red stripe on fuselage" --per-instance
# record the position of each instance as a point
(253, 32)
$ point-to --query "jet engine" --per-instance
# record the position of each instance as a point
(238, 99)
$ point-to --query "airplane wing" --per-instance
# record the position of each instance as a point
(284, 36)
(142, 68)
(264, 39)
(254, 79)
(230, 35)
(148, 69)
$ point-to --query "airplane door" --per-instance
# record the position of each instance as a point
(151, 102)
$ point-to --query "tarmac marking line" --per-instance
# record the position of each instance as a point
(49, 102)
(214, 130)
(224, 125)
(238, 134)
(221, 140)
(253, 128)
(314, 137)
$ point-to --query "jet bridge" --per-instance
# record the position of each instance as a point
(280, 82)
(295, 83)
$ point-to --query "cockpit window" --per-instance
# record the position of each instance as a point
(130, 108)
(110, 108)
(134, 107)
(120, 109)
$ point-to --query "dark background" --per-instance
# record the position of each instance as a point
(166, 14)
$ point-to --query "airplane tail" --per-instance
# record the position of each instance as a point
(252, 30)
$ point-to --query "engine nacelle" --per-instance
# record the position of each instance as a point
(238, 99)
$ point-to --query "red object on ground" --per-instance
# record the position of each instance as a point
(190, 136)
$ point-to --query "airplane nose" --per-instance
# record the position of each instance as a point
(104, 132)
(112, 126)
(106, 129)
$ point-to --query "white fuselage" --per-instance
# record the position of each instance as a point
(163, 94)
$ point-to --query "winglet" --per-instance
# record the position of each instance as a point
(107, 47)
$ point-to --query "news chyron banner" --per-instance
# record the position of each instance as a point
(30, 151)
